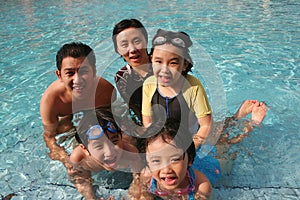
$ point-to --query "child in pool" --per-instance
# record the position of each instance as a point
(169, 174)
(179, 94)
(207, 165)
(101, 148)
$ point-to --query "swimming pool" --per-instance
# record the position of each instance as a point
(255, 46)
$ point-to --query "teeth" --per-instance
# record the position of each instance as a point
(110, 161)
(78, 87)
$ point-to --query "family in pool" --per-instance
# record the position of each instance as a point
(158, 136)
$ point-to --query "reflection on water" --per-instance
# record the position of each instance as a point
(255, 46)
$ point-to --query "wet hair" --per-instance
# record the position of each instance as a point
(125, 24)
(175, 131)
(171, 35)
(94, 117)
(75, 50)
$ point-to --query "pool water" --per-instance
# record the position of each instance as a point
(253, 52)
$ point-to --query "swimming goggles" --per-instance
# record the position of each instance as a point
(175, 38)
(95, 132)
(160, 40)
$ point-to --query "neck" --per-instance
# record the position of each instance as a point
(142, 69)
(173, 90)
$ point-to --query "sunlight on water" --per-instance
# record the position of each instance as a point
(254, 49)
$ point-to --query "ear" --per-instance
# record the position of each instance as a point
(84, 150)
(94, 71)
(58, 74)
(185, 64)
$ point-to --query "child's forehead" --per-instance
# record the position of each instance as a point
(168, 48)
(161, 147)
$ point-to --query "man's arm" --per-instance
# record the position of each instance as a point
(49, 113)
(56, 152)
(82, 180)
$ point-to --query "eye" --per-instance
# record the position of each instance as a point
(114, 139)
(83, 71)
(174, 63)
(70, 73)
(176, 159)
(157, 61)
(98, 147)
(137, 41)
(155, 162)
(124, 44)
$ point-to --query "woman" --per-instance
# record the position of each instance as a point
(130, 41)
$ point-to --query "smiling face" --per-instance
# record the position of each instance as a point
(107, 150)
(132, 46)
(168, 63)
(78, 76)
(168, 164)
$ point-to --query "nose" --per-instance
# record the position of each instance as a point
(164, 68)
(131, 48)
(76, 78)
(109, 150)
(166, 169)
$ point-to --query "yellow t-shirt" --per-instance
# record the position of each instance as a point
(193, 93)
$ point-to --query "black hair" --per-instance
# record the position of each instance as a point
(75, 50)
(94, 117)
(175, 131)
(188, 43)
(127, 23)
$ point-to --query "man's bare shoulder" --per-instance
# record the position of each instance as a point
(103, 82)
(54, 102)
(105, 93)
(55, 89)
(129, 147)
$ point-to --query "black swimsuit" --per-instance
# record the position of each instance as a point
(174, 107)
(130, 84)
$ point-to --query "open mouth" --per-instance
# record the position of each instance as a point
(111, 163)
(134, 58)
(164, 79)
(78, 88)
(169, 180)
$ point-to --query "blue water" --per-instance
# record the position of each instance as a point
(253, 52)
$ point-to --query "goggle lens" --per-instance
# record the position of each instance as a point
(163, 39)
(95, 132)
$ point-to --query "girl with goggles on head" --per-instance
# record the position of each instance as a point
(180, 94)
(169, 173)
(101, 148)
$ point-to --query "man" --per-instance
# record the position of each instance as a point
(76, 89)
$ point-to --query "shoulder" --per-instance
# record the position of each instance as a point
(104, 86)
(77, 155)
(54, 89)
(150, 80)
(193, 80)
(149, 86)
(103, 82)
(121, 73)
(105, 93)
(193, 85)
(129, 147)
(202, 183)
(53, 95)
